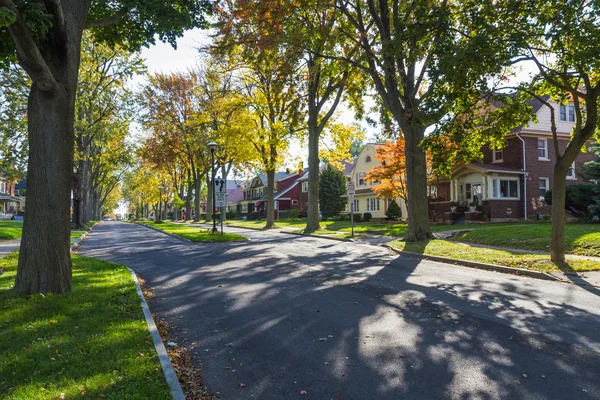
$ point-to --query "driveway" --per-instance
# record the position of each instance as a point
(284, 316)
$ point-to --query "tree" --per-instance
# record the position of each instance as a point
(391, 174)
(332, 186)
(101, 108)
(14, 86)
(394, 211)
(45, 37)
(410, 52)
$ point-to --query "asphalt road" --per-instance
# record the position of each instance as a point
(296, 317)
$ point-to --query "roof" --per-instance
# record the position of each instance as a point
(489, 168)
(8, 197)
(234, 195)
(278, 176)
(348, 165)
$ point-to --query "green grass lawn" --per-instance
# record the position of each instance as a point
(582, 239)
(460, 251)
(90, 343)
(10, 229)
(195, 234)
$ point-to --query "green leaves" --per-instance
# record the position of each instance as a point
(7, 17)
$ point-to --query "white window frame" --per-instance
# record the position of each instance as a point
(294, 202)
(373, 204)
(360, 179)
(569, 175)
(547, 187)
(495, 158)
(571, 113)
(545, 158)
(500, 186)
(305, 187)
(562, 112)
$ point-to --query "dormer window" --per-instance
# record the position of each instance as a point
(563, 113)
(497, 156)
(368, 159)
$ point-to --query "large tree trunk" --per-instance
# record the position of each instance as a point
(209, 199)
(197, 210)
(86, 183)
(223, 210)
(559, 186)
(45, 259)
(312, 221)
(270, 199)
(188, 197)
(416, 185)
(77, 218)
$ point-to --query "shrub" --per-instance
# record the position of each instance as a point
(253, 216)
(357, 217)
(332, 186)
(341, 217)
(578, 199)
(367, 216)
(291, 213)
(394, 211)
(230, 214)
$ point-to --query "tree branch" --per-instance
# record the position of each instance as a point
(109, 19)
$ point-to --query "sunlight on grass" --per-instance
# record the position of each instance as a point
(10, 229)
(90, 343)
(443, 248)
(195, 234)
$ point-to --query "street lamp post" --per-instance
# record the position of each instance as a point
(212, 146)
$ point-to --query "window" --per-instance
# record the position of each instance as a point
(355, 205)
(468, 188)
(571, 172)
(372, 204)
(544, 186)
(2, 187)
(563, 112)
(497, 156)
(305, 187)
(494, 188)
(572, 113)
(542, 149)
(509, 189)
(294, 202)
(360, 178)
(368, 159)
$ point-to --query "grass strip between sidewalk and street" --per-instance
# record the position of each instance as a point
(90, 343)
(10, 230)
(459, 251)
(580, 239)
(193, 233)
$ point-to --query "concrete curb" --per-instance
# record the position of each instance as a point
(80, 240)
(477, 265)
(166, 233)
(318, 236)
(165, 362)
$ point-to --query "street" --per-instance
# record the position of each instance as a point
(285, 316)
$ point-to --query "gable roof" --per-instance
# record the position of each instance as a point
(478, 167)
(234, 195)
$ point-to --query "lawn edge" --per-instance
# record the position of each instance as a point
(318, 236)
(161, 351)
(81, 238)
(167, 233)
(478, 265)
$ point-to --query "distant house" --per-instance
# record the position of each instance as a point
(10, 204)
(252, 197)
(365, 199)
(510, 183)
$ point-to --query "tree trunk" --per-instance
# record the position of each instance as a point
(77, 219)
(312, 220)
(188, 197)
(559, 187)
(223, 210)
(209, 199)
(416, 185)
(86, 183)
(197, 196)
(44, 258)
(270, 199)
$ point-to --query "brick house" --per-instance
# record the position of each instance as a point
(10, 204)
(511, 182)
(252, 196)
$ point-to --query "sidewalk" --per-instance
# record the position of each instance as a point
(8, 246)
